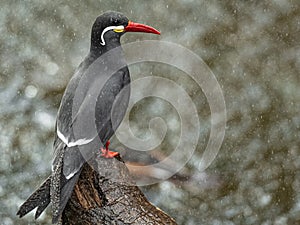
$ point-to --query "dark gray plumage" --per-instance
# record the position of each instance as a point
(85, 120)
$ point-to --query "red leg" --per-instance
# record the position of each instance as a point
(106, 153)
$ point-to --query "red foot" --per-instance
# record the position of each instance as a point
(106, 153)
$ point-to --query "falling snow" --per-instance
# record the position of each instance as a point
(252, 47)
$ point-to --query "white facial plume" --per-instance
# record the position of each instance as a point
(115, 28)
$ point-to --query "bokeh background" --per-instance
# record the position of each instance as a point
(253, 49)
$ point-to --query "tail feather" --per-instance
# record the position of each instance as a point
(40, 198)
(67, 189)
(61, 187)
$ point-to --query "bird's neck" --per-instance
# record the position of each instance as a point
(98, 49)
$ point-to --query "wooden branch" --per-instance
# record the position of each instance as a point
(106, 194)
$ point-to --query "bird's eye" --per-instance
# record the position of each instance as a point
(119, 29)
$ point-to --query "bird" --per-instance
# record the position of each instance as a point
(92, 107)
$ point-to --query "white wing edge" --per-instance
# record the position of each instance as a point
(82, 141)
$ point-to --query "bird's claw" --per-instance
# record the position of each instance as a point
(106, 153)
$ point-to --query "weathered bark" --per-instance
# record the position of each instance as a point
(106, 194)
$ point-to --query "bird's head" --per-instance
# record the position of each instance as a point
(110, 26)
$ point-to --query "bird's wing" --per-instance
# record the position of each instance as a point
(112, 103)
(84, 113)
(91, 122)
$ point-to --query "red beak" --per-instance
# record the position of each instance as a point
(138, 27)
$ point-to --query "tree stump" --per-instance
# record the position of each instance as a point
(106, 194)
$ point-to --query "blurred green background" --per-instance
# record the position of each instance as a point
(251, 46)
